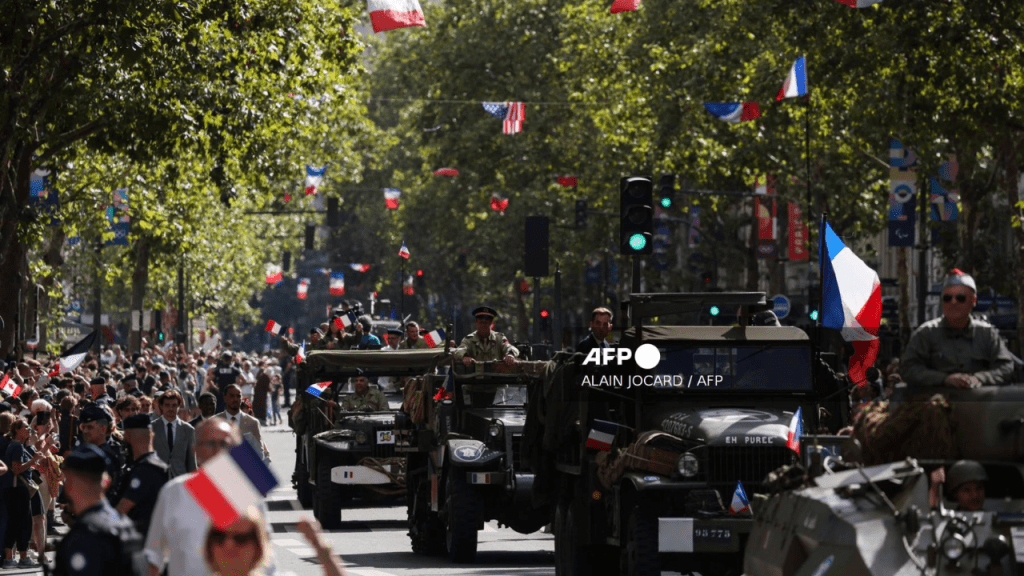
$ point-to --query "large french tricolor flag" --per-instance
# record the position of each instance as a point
(8, 387)
(393, 14)
(74, 355)
(796, 83)
(231, 484)
(851, 301)
(434, 337)
(796, 430)
(734, 112)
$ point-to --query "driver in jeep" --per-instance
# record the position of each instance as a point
(365, 399)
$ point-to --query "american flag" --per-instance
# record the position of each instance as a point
(511, 113)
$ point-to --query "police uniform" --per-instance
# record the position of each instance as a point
(142, 480)
(101, 541)
(373, 399)
(490, 349)
(113, 449)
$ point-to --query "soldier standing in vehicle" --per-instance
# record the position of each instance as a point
(365, 398)
(485, 345)
(412, 338)
(956, 350)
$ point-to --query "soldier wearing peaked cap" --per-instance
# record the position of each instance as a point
(142, 480)
(101, 541)
(485, 345)
(956, 350)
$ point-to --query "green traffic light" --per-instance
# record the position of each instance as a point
(714, 310)
(666, 202)
(637, 242)
(814, 315)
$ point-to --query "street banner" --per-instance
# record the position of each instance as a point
(797, 233)
(902, 194)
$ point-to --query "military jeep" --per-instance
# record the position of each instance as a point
(651, 469)
(346, 454)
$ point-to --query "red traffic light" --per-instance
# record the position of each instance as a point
(545, 313)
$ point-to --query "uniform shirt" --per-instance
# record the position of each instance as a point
(407, 344)
(373, 398)
(101, 542)
(141, 484)
(937, 350)
(491, 349)
(224, 376)
(115, 468)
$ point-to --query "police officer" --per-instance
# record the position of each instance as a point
(141, 483)
(101, 541)
(485, 345)
(99, 391)
(365, 398)
(95, 423)
(224, 375)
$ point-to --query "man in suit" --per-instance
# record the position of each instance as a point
(600, 327)
(207, 408)
(247, 425)
(174, 439)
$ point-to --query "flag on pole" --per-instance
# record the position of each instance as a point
(300, 355)
(404, 251)
(851, 301)
(734, 112)
(274, 274)
(391, 197)
(231, 484)
(314, 178)
(512, 115)
(434, 337)
(568, 181)
(407, 288)
(360, 267)
(624, 6)
(337, 284)
(448, 389)
(602, 434)
(446, 172)
(74, 355)
(796, 82)
(859, 3)
(796, 430)
(7, 386)
(302, 290)
(394, 14)
(498, 203)
(316, 389)
(274, 328)
(740, 503)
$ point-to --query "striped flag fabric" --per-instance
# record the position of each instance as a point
(740, 503)
(314, 178)
(391, 198)
(512, 115)
(624, 6)
(602, 434)
(404, 251)
(74, 356)
(360, 267)
(407, 287)
(317, 388)
(446, 172)
(498, 203)
(859, 3)
(231, 484)
(448, 389)
(274, 274)
(568, 181)
(337, 284)
(734, 112)
(8, 386)
(796, 82)
(394, 14)
(796, 430)
(302, 289)
(434, 337)
(274, 328)
(300, 354)
(345, 320)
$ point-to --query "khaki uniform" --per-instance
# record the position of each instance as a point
(421, 344)
(374, 399)
(936, 350)
(491, 349)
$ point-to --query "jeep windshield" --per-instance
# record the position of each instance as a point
(485, 396)
(719, 368)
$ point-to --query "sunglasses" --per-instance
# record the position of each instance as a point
(959, 298)
(243, 539)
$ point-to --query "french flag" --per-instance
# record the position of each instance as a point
(7, 386)
(404, 251)
(314, 178)
(337, 284)
(434, 337)
(302, 290)
(859, 3)
(624, 6)
(602, 434)
(74, 355)
(734, 112)
(498, 203)
(851, 301)
(318, 388)
(391, 198)
(360, 267)
(300, 356)
(740, 503)
(231, 484)
(568, 181)
(394, 14)
(796, 83)
(446, 172)
(274, 275)
(448, 389)
(274, 328)
(796, 430)
(345, 320)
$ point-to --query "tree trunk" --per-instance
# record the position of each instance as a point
(140, 278)
(12, 251)
(1013, 188)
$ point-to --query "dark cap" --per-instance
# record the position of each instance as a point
(137, 393)
(485, 311)
(98, 381)
(93, 413)
(129, 378)
(138, 422)
(396, 332)
(5, 407)
(86, 458)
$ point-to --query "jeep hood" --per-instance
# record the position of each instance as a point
(723, 426)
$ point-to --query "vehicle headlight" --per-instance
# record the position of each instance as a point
(688, 465)
(953, 547)
(361, 437)
(495, 429)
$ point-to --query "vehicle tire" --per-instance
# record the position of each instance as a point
(639, 555)
(572, 558)
(303, 487)
(462, 513)
(327, 507)
(425, 529)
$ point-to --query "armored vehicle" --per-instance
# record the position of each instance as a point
(344, 454)
(463, 460)
(649, 452)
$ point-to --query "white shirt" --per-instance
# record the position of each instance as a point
(177, 532)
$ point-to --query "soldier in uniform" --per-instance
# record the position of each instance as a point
(485, 345)
(101, 541)
(96, 424)
(365, 398)
(136, 496)
(412, 338)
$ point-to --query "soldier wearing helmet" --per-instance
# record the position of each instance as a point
(965, 483)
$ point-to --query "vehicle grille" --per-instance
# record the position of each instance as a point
(749, 464)
(383, 450)
(517, 452)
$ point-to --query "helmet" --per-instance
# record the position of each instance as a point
(964, 471)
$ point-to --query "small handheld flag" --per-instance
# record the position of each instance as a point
(796, 430)
(740, 503)
(404, 251)
(74, 355)
(314, 178)
(602, 434)
(318, 388)
(448, 389)
(345, 320)
(796, 82)
(300, 355)
(734, 112)
(7, 386)
(230, 484)
(274, 328)
(434, 337)
(337, 284)
(391, 198)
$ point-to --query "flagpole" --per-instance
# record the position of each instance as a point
(401, 288)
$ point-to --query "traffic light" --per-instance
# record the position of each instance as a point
(545, 320)
(636, 215)
(332, 212)
(310, 231)
(160, 337)
(420, 279)
(581, 214)
(667, 190)
(714, 310)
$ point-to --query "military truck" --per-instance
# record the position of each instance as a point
(463, 464)
(842, 518)
(642, 449)
(346, 454)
